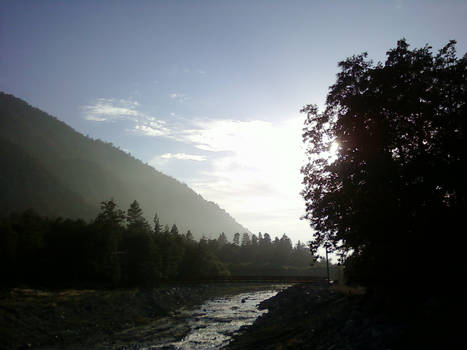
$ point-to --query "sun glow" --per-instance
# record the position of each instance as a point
(333, 151)
(254, 168)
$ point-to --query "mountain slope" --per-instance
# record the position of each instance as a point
(25, 184)
(86, 171)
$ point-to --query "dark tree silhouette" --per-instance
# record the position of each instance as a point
(236, 238)
(189, 235)
(108, 228)
(222, 240)
(104, 252)
(135, 219)
(174, 230)
(246, 241)
(141, 259)
(395, 193)
(110, 214)
(157, 225)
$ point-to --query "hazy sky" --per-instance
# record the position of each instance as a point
(207, 91)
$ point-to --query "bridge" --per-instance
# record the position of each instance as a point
(315, 280)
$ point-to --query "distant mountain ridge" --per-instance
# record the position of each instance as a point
(57, 171)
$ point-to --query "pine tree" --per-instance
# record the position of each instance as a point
(222, 240)
(236, 238)
(174, 230)
(110, 214)
(189, 235)
(108, 226)
(246, 241)
(136, 222)
(157, 225)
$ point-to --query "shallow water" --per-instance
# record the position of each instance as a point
(213, 323)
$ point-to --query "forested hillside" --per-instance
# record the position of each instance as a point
(57, 171)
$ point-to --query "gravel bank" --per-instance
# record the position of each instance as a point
(101, 319)
(306, 317)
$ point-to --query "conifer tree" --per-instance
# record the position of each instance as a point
(157, 225)
(136, 222)
(222, 240)
(236, 238)
(174, 230)
(189, 235)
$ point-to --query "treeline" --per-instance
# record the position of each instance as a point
(121, 249)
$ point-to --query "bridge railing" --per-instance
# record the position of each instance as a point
(260, 279)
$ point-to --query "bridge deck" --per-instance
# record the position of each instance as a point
(317, 280)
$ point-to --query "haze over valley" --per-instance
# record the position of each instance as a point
(56, 171)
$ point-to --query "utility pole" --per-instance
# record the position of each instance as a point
(327, 262)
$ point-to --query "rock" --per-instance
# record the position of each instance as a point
(306, 317)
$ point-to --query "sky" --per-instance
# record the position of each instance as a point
(208, 92)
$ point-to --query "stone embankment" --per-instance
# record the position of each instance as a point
(306, 317)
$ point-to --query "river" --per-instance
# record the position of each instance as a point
(212, 324)
(209, 325)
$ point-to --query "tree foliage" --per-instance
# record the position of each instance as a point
(396, 190)
(123, 250)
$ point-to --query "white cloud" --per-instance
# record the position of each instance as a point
(184, 156)
(97, 118)
(150, 130)
(111, 109)
(150, 126)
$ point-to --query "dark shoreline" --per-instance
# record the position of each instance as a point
(306, 317)
(102, 319)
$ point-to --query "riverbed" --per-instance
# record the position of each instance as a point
(213, 324)
(196, 316)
